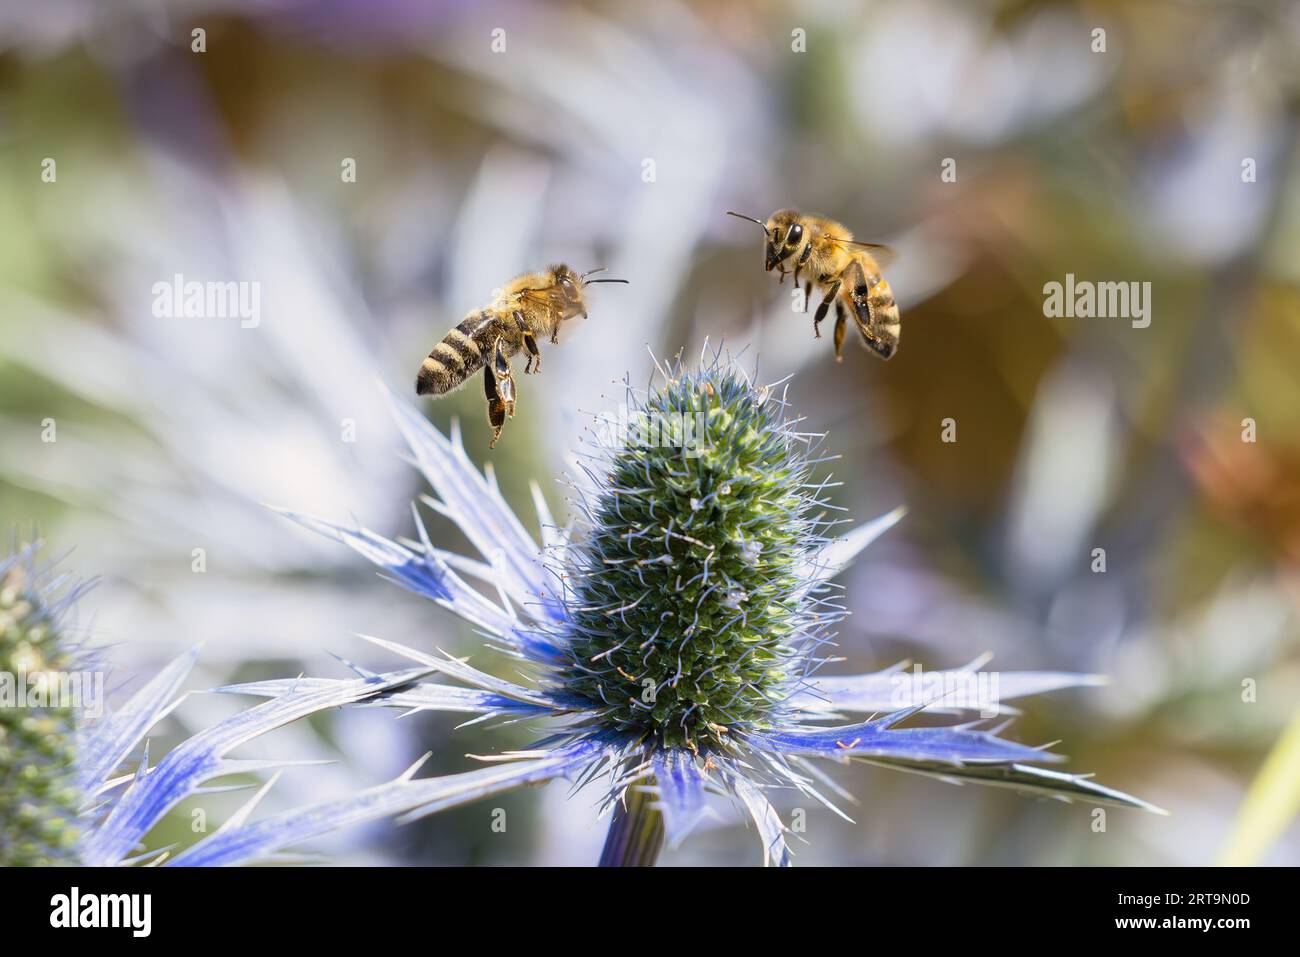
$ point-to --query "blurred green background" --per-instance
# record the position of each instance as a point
(489, 139)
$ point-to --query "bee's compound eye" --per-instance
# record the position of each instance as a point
(795, 234)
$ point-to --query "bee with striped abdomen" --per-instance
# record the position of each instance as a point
(531, 307)
(848, 270)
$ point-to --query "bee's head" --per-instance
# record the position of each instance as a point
(784, 233)
(568, 286)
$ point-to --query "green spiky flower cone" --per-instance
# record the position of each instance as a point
(687, 613)
(38, 793)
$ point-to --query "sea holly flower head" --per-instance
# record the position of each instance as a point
(686, 626)
(38, 793)
(674, 631)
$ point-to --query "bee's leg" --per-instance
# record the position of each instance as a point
(841, 324)
(495, 408)
(879, 331)
(881, 340)
(807, 294)
(831, 293)
(534, 363)
(799, 264)
(499, 387)
(534, 356)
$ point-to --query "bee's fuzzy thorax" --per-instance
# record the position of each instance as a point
(529, 280)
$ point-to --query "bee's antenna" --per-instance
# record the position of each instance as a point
(592, 272)
(750, 218)
(590, 281)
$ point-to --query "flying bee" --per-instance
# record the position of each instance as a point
(529, 308)
(848, 270)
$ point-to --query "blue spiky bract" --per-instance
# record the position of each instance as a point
(686, 623)
(64, 799)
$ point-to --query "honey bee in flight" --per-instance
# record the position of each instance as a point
(847, 269)
(529, 308)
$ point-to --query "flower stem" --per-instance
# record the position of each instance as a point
(636, 835)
